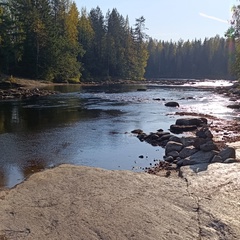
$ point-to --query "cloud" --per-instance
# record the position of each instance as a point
(213, 18)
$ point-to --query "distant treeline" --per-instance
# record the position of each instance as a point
(52, 40)
(211, 58)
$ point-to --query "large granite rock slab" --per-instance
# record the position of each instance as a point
(217, 191)
(73, 202)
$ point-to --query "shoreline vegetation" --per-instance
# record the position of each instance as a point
(66, 43)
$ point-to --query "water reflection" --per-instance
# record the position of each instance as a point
(37, 115)
(91, 126)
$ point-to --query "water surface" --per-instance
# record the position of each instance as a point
(92, 126)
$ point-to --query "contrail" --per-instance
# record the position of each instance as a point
(213, 18)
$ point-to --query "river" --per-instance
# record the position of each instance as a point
(91, 125)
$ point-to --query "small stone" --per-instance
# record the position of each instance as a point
(169, 159)
(137, 131)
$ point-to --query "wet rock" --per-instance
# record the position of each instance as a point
(234, 106)
(173, 154)
(172, 104)
(204, 133)
(169, 159)
(200, 141)
(181, 128)
(137, 131)
(165, 137)
(233, 99)
(228, 152)
(158, 99)
(230, 160)
(187, 141)
(216, 159)
(173, 146)
(191, 121)
(187, 152)
(175, 139)
(198, 158)
(208, 146)
(153, 136)
(162, 133)
(142, 136)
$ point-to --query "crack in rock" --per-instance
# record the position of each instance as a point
(209, 226)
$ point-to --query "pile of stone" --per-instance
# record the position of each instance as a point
(197, 150)
(21, 93)
(159, 138)
(189, 150)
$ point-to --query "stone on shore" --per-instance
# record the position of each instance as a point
(73, 202)
(172, 104)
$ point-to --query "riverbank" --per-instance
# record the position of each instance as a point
(75, 202)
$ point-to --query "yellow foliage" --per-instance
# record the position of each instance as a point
(71, 24)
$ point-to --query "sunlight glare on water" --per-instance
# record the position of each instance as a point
(92, 126)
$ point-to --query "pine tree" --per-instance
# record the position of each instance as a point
(141, 48)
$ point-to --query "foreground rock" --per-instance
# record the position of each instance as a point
(71, 202)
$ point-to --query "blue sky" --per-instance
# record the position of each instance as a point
(172, 19)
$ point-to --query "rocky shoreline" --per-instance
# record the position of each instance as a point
(197, 148)
(22, 89)
(23, 93)
(206, 142)
(77, 202)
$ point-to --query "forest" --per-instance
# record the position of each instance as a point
(54, 41)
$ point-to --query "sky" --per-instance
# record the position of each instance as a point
(172, 19)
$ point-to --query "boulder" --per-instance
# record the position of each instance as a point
(161, 134)
(208, 146)
(199, 142)
(169, 159)
(234, 106)
(198, 158)
(191, 121)
(228, 152)
(164, 137)
(175, 139)
(182, 128)
(204, 133)
(187, 152)
(173, 154)
(187, 141)
(216, 159)
(173, 146)
(142, 136)
(172, 104)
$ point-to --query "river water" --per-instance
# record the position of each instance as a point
(92, 126)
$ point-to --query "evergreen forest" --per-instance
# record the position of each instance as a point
(55, 41)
